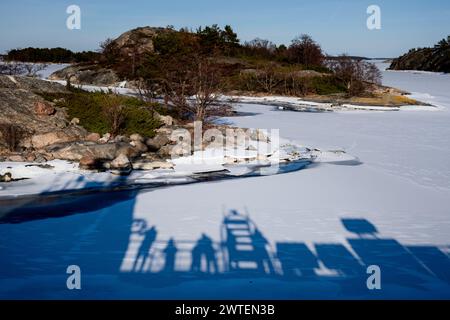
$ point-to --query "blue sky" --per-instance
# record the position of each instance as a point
(338, 25)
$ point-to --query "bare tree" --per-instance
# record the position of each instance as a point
(193, 86)
(109, 51)
(371, 73)
(261, 47)
(357, 74)
(304, 50)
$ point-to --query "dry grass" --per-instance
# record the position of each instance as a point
(379, 99)
(386, 99)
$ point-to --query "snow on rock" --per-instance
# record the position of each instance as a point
(60, 175)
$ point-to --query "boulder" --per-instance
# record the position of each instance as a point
(128, 150)
(43, 109)
(76, 151)
(106, 137)
(136, 137)
(121, 139)
(165, 151)
(87, 74)
(94, 137)
(159, 141)
(139, 39)
(71, 152)
(88, 162)
(167, 131)
(139, 146)
(152, 157)
(259, 135)
(7, 177)
(16, 158)
(151, 165)
(40, 141)
(26, 143)
(39, 158)
(121, 165)
(166, 120)
(30, 157)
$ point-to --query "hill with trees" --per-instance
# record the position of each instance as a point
(435, 59)
(153, 59)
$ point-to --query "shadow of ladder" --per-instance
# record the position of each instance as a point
(240, 255)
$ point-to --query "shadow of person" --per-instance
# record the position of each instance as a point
(144, 249)
(204, 249)
(170, 253)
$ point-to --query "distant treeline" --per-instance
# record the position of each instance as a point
(52, 55)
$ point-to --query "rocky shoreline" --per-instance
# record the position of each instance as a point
(47, 134)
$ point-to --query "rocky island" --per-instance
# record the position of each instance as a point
(435, 59)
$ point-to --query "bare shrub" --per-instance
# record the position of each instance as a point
(357, 74)
(147, 89)
(114, 112)
(268, 77)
